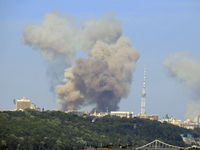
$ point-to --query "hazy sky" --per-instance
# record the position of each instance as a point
(156, 28)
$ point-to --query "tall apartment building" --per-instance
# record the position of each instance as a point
(23, 104)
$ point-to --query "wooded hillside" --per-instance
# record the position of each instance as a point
(57, 130)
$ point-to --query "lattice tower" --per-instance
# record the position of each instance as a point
(143, 99)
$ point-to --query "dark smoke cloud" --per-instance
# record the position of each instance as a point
(104, 77)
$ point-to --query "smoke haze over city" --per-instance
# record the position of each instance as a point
(103, 78)
(68, 55)
(186, 68)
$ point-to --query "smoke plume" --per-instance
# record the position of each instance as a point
(55, 71)
(193, 110)
(186, 69)
(61, 35)
(104, 77)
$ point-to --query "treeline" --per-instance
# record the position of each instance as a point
(57, 130)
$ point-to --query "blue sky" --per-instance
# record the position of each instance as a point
(156, 28)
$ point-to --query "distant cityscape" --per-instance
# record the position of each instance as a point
(25, 103)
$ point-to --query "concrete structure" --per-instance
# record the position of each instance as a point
(187, 121)
(151, 117)
(198, 121)
(176, 122)
(187, 138)
(127, 114)
(143, 99)
(188, 125)
(33, 106)
(23, 104)
(101, 114)
(154, 117)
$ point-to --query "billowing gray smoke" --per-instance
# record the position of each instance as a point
(186, 68)
(104, 77)
(60, 35)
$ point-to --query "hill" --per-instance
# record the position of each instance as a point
(57, 130)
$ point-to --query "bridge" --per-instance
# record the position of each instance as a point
(159, 145)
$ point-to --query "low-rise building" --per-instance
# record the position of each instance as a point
(151, 117)
(188, 125)
(101, 114)
(187, 138)
(127, 114)
(187, 121)
(33, 106)
(171, 120)
(176, 122)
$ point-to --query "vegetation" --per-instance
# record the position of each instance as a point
(57, 130)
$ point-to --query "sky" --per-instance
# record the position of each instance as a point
(156, 28)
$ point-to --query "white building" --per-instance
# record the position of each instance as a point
(23, 104)
(176, 122)
(151, 117)
(127, 114)
(33, 106)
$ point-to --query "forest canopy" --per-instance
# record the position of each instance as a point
(58, 130)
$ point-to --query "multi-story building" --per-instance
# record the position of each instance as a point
(188, 125)
(127, 114)
(23, 104)
(176, 122)
(171, 120)
(154, 117)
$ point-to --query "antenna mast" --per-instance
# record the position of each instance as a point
(143, 99)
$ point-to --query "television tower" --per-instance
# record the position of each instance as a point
(143, 95)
